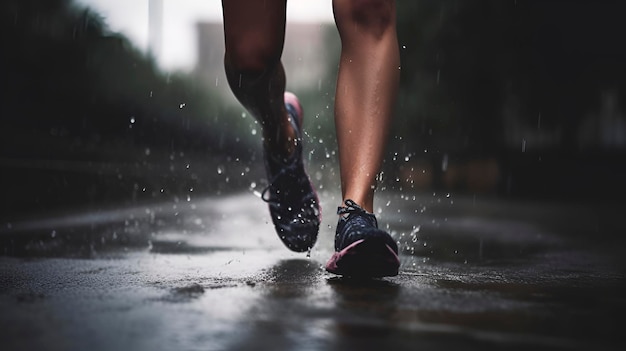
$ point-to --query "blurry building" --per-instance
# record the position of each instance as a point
(155, 28)
(304, 56)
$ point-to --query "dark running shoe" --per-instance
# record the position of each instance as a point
(293, 203)
(362, 250)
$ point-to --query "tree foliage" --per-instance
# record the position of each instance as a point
(87, 118)
(71, 85)
(465, 62)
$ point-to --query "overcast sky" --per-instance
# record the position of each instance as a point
(130, 17)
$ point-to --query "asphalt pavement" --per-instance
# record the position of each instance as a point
(477, 273)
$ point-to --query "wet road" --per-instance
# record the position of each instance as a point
(210, 274)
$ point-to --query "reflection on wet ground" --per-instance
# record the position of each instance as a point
(211, 275)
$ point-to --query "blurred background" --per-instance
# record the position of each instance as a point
(109, 102)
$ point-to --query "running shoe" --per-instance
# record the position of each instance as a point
(362, 250)
(292, 200)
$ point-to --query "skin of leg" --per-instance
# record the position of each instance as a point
(367, 85)
(254, 34)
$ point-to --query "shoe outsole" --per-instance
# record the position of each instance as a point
(365, 258)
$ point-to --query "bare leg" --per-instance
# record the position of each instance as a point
(366, 91)
(254, 34)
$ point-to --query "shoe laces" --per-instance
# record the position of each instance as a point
(289, 168)
(353, 210)
(351, 207)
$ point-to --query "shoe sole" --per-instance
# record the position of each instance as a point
(292, 100)
(366, 258)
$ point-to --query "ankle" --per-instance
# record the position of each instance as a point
(365, 202)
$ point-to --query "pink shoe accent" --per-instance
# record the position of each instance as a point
(292, 99)
(331, 266)
(366, 260)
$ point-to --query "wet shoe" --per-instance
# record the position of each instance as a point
(362, 250)
(293, 203)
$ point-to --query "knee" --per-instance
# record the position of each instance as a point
(251, 57)
(374, 17)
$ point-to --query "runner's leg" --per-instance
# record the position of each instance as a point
(366, 90)
(254, 33)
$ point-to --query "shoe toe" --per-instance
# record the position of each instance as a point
(299, 237)
(297, 229)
